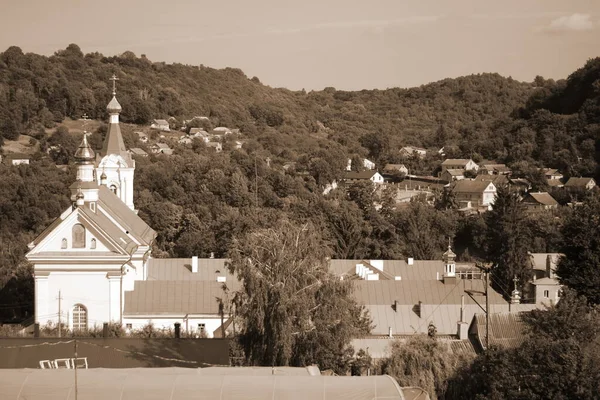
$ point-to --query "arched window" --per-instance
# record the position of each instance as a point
(79, 317)
(63, 244)
(113, 189)
(93, 245)
(78, 236)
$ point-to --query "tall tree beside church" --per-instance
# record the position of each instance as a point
(580, 266)
(292, 310)
(507, 241)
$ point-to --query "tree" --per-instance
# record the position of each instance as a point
(580, 267)
(507, 241)
(292, 310)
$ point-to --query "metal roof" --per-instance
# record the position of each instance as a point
(577, 182)
(180, 269)
(184, 383)
(506, 329)
(471, 186)
(420, 270)
(456, 161)
(114, 144)
(543, 198)
(175, 297)
(359, 174)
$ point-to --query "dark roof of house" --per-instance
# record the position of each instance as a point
(138, 152)
(456, 161)
(455, 172)
(542, 198)
(551, 171)
(17, 156)
(359, 174)
(116, 352)
(578, 182)
(506, 329)
(180, 269)
(161, 122)
(176, 297)
(471, 186)
(394, 167)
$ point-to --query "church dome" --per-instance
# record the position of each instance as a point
(84, 151)
(103, 176)
(114, 107)
(79, 195)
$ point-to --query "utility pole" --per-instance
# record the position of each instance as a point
(75, 367)
(59, 315)
(487, 309)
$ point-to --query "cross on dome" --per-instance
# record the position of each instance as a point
(114, 80)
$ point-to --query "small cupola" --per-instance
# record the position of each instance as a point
(449, 259)
(79, 198)
(84, 153)
(515, 295)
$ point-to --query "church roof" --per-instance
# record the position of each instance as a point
(114, 144)
(114, 107)
(125, 216)
(84, 151)
(180, 269)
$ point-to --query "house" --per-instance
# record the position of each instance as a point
(366, 164)
(185, 140)
(17, 158)
(545, 285)
(161, 148)
(474, 193)
(238, 144)
(451, 175)
(161, 125)
(361, 176)
(391, 169)
(408, 151)
(142, 137)
(221, 131)
(459, 163)
(218, 146)
(136, 151)
(198, 133)
(552, 174)
(493, 169)
(580, 183)
(539, 201)
(519, 184)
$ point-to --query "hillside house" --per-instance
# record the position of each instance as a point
(408, 151)
(391, 169)
(368, 164)
(552, 174)
(17, 159)
(580, 183)
(161, 125)
(136, 151)
(142, 137)
(539, 201)
(545, 285)
(161, 148)
(362, 176)
(451, 175)
(459, 163)
(473, 193)
(215, 145)
(494, 169)
(221, 131)
(185, 140)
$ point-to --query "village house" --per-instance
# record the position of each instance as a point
(17, 158)
(545, 285)
(552, 174)
(408, 151)
(185, 140)
(362, 176)
(474, 193)
(161, 148)
(493, 169)
(366, 164)
(161, 125)
(136, 151)
(539, 201)
(580, 183)
(142, 137)
(391, 169)
(451, 175)
(459, 163)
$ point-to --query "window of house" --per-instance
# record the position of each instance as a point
(79, 317)
(93, 244)
(78, 236)
(63, 244)
(201, 328)
(128, 326)
(546, 293)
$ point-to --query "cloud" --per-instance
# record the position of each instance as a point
(573, 22)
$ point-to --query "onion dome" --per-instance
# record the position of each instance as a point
(79, 198)
(103, 177)
(114, 107)
(84, 152)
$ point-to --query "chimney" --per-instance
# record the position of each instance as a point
(410, 261)
(177, 330)
(549, 272)
(212, 254)
(195, 264)
(390, 332)
(463, 330)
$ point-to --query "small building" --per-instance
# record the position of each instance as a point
(494, 169)
(366, 164)
(581, 183)
(17, 159)
(185, 140)
(552, 174)
(539, 201)
(142, 137)
(161, 148)
(473, 193)
(161, 125)
(520, 184)
(408, 151)
(136, 151)
(391, 169)
(547, 291)
(218, 146)
(362, 176)
(221, 131)
(451, 175)
(459, 163)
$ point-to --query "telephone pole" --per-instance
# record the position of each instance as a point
(486, 276)
(59, 315)
(75, 367)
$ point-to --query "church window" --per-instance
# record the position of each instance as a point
(546, 293)
(63, 244)
(79, 317)
(78, 236)
(93, 244)
(113, 189)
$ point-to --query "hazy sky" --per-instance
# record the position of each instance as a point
(311, 44)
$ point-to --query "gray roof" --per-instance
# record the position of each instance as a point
(187, 383)
(456, 162)
(180, 269)
(420, 270)
(394, 167)
(506, 329)
(161, 122)
(470, 186)
(455, 172)
(114, 144)
(578, 182)
(175, 297)
(542, 198)
(359, 174)
(138, 152)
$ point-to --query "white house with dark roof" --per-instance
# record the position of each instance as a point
(459, 163)
(161, 125)
(474, 193)
(363, 176)
(539, 201)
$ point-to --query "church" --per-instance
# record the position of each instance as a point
(93, 265)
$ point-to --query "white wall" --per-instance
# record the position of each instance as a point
(189, 325)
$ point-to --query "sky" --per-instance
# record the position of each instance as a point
(313, 44)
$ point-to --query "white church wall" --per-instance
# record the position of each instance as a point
(65, 231)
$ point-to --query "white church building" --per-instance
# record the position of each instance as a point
(93, 265)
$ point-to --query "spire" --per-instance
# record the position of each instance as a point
(113, 143)
(515, 296)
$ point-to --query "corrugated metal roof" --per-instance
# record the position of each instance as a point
(180, 269)
(578, 182)
(543, 198)
(506, 329)
(175, 297)
(115, 352)
(420, 270)
(471, 186)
